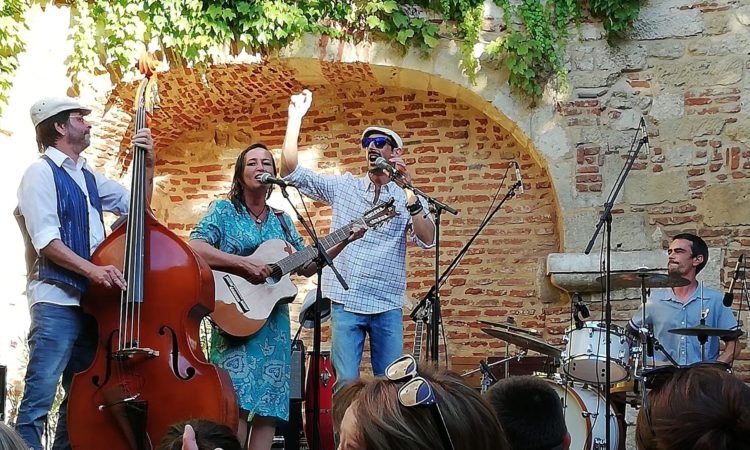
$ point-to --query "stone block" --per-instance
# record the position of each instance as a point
(700, 72)
(743, 15)
(667, 105)
(739, 130)
(680, 155)
(726, 204)
(665, 20)
(690, 127)
(577, 272)
(734, 44)
(647, 188)
(594, 78)
(629, 231)
(628, 120)
(666, 50)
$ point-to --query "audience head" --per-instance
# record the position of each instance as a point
(208, 436)
(10, 439)
(699, 408)
(530, 412)
(372, 415)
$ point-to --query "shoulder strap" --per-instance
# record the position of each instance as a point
(280, 215)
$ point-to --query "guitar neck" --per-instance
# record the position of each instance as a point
(417, 352)
(307, 254)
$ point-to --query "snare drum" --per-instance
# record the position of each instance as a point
(583, 409)
(585, 355)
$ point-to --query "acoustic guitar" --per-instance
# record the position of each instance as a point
(242, 308)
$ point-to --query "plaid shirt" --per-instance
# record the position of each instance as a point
(375, 265)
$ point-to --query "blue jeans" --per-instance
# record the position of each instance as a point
(62, 342)
(348, 331)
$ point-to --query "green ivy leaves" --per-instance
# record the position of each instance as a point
(110, 34)
(11, 24)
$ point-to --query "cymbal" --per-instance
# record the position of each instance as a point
(510, 327)
(525, 342)
(626, 280)
(703, 330)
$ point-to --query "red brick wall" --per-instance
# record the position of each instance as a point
(454, 152)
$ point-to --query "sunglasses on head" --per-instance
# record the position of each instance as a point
(417, 391)
(379, 141)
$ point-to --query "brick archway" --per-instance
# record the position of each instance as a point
(458, 152)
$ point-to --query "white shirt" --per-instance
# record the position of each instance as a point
(37, 201)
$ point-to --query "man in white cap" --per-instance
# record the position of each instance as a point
(374, 266)
(60, 206)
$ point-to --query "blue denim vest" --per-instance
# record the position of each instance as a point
(74, 225)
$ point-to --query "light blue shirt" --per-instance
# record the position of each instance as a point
(665, 312)
(375, 265)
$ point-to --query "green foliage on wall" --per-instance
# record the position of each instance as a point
(11, 25)
(109, 34)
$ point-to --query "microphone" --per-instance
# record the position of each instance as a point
(267, 178)
(644, 133)
(518, 177)
(580, 311)
(729, 295)
(382, 163)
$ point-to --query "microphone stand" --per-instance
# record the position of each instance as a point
(322, 259)
(435, 316)
(432, 297)
(606, 218)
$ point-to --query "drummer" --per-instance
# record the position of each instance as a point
(680, 307)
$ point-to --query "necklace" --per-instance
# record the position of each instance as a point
(257, 217)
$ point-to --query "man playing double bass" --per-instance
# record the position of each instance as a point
(60, 205)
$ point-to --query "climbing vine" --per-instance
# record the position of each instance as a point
(11, 25)
(109, 34)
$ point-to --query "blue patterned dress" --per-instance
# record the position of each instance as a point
(259, 366)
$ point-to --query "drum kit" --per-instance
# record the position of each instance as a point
(584, 362)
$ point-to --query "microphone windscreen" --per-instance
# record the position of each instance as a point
(383, 164)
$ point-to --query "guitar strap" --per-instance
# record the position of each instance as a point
(280, 215)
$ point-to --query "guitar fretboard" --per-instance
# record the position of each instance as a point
(302, 257)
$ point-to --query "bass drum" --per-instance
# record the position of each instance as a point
(583, 409)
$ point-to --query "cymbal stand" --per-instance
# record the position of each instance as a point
(487, 375)
(703, 338)
(606, 219)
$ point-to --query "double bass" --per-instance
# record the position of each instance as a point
(149, 371)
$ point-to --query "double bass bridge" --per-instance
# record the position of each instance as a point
(133, 353)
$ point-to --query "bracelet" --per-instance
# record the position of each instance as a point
(414, 209)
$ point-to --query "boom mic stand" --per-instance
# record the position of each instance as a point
(606, 218)
(431, 299)
(435, 317)
(323, 258)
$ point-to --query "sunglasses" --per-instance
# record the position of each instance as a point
(379, 141)
(417, 391)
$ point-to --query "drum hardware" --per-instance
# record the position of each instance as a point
(487, 376)
(511, 326)
(524, 342)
